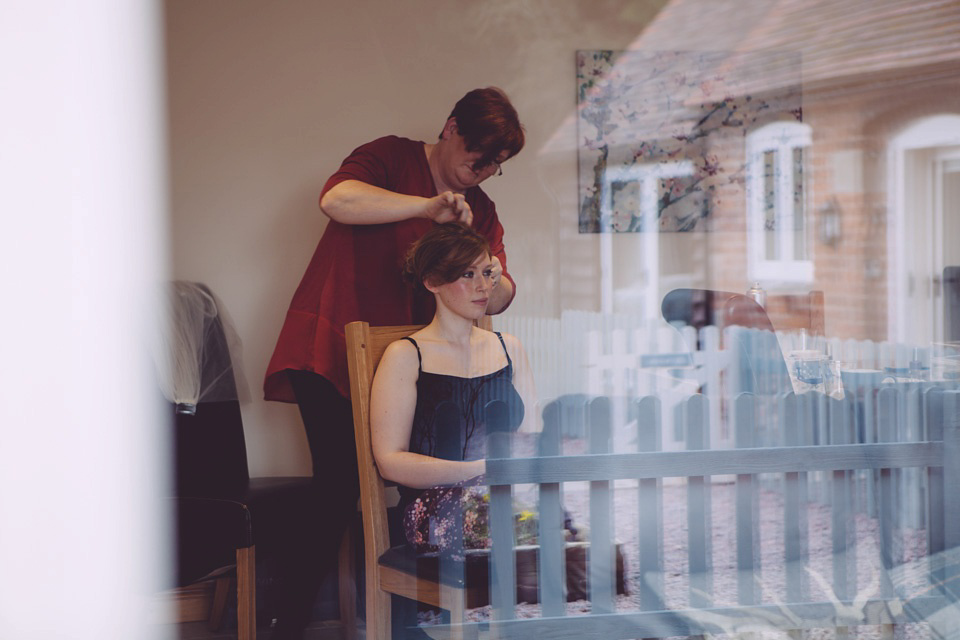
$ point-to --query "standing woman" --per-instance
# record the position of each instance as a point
(386, 195)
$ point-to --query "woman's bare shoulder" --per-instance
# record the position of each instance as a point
(401, 353)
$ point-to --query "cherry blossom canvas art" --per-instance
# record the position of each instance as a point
(661, 134)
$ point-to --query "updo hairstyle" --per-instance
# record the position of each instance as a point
(443, 254)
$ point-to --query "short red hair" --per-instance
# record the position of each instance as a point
(488, 123)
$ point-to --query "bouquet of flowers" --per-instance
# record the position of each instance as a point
(476, 521)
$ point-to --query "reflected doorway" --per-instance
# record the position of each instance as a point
(924, 236)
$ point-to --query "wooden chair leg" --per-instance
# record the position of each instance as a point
(378, 609)
(347, 586)
(221, 591)
(246, 594)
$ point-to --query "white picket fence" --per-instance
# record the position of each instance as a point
(624, 357)
(828, 569)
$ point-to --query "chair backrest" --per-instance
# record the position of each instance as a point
(210, 451)
(782, 312)
(365, 347)
(798, 311)
(759, 360)
(702, 307)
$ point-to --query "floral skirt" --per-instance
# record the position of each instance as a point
(430, 521)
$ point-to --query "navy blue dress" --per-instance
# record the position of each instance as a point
(428, 512)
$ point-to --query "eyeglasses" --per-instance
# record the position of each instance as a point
(486, 167)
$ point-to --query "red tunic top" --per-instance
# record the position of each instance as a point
(355, 271)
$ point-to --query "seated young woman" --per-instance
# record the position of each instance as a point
(450, 359)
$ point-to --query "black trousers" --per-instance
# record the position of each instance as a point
(328, 420)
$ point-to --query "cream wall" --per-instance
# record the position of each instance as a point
(266, 98)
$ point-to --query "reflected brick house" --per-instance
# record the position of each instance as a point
(847, 180)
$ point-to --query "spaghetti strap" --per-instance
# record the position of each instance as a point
(504, 345)
(420, 359)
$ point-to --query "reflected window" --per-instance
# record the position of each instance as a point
(777, 185)
(643, 198)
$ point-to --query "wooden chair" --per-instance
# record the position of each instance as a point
(388, 570)
(223, 517)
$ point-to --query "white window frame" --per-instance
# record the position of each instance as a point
(648, 176)
(782, 138)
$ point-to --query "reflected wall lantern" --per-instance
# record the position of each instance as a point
(829, 227)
